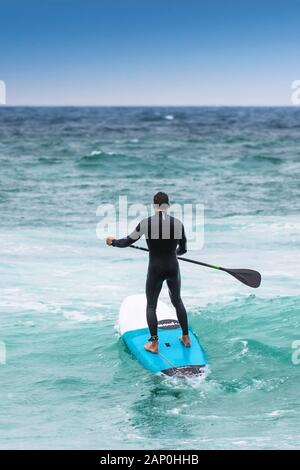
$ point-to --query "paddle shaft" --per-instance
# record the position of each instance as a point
(185, 259)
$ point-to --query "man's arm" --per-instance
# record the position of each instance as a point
(182, 245)
(127, 241)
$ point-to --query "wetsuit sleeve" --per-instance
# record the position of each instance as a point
(130, 239)
(182, 245)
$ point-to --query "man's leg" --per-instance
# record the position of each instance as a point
(174, 285)
(153, 288)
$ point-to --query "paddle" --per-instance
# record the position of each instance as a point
(246, 276)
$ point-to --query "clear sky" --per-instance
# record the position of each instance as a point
(149, 52)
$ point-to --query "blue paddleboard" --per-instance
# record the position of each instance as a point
(173, 357)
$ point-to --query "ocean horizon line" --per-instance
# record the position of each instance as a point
(147, 106)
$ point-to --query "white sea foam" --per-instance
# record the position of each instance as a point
(281, 413)
(245, 347)
(174, 411)
(18, 299)
(82, 317)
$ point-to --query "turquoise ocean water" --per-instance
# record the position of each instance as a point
(68, 381)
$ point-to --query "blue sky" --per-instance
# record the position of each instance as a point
(149, 52)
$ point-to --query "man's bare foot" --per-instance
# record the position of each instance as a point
(152, 347)
(185, 339)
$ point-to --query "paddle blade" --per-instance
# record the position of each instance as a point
(246, 276)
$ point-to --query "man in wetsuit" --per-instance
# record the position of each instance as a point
(166, 239)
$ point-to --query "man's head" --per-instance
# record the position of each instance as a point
(161, 201)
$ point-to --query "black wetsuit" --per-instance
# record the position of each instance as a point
(166, 239)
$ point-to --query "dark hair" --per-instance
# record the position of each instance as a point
(161, 199)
